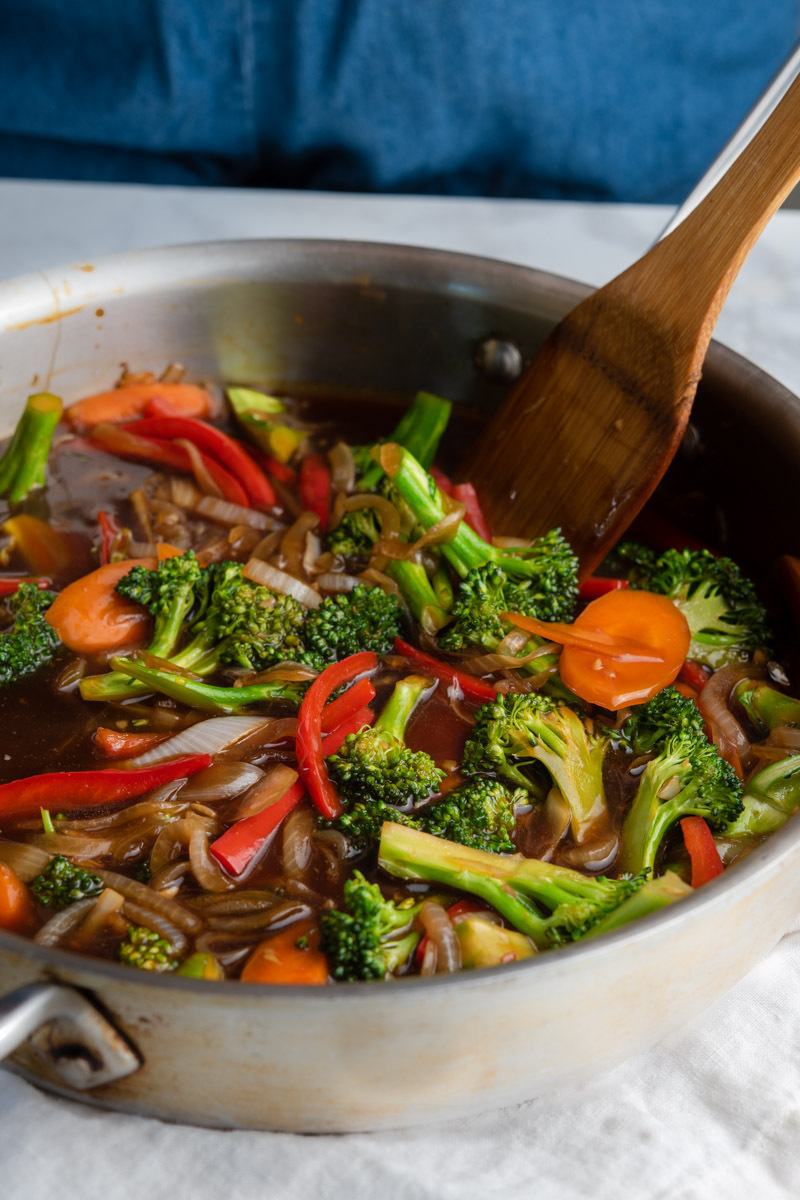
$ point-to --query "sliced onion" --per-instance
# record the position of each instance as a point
(523, 684)
(142, 550)
(160, 803)
(387, 513)
(297, 831)
(593, 855)
(268, 544)
(158, 923)
(25, 861)
(206, 737)
(174, 373)
(439, 928)
(343, 467)
(171, 843)
(444, 530)
(109, 901)
(142, 513)
(183, 493)
(514, 642)
(52, 933)
(275, 783)
(73, 845)
(173, 873)
(512, 543)
(311, 553)
(713, 702)
(279, 581)
(249, 900)
(785, 736)
(293, 541)
(482, 664)
(70, 675)
(291, 672)
(233, 514)
(140, 893)
(199, 468)
(223, 781)
(337, 581)
(205, 868)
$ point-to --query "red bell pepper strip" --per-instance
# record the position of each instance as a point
(116, 743)
(275, 468)
(465, 494)
(237, 847)
(333, 742)
(8, 587)
(315, 487)
(699, 841)
(310, 758)
(124, 444)
(473, 688)
(343, 707)
(212, 441)
(695, 674)
(596, 586)
(442, 481)
(68, 790)
(109, 530)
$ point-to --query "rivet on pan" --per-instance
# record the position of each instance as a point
(499, 359)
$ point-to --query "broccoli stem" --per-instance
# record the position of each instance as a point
(420, 430)
(396, 712)
(466, 550)
(443, 588)
(199, 657)
(766, 707)
(418, 593)
(22, 467)
(771, 796)
(654, 895)
(204, 696)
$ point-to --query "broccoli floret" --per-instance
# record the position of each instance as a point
(31, 642)
(363, 822)
(516, 730)
(168, 593)
(766, 707)
(466, 550)
(61, 883)
(372, 938)
(686, 778)
(376, 765)
(356, 533)
(770, 798)
(549, 904)
(420, 429)
(481, 812)
(720, 605)
(23, 465)
(366, 618)
(144, 948)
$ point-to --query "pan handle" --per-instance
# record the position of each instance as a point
(65, 1028)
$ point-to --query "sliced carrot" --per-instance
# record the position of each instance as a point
(117, 743)
(280, 960)
(17, 911)
(622, 649)
(127, 403)
(90, 617)
(167, 550)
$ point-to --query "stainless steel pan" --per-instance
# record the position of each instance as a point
(362, 319)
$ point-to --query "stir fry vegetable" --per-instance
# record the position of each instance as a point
(281, 709)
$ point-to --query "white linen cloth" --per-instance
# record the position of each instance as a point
(713, 1113)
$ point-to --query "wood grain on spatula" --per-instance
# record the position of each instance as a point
(593, 423)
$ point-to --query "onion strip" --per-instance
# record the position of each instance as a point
(271, 577)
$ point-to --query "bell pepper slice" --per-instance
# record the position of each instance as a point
(473, 688)
(66, 791)
(310, 756)
(315, 487)
(333, 742)
(237, 846)
(465, 494)
(125, 444)
(345, 706)
(596, 586)
(702, 850)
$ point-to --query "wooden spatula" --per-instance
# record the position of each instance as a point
(593, 423)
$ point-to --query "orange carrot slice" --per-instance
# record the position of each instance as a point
(17, 912)
(127, 403)
(90, 617)
(280, 960)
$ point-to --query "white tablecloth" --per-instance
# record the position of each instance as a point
(713, 1112)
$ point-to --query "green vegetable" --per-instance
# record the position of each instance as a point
(47, 821)
(61, 883)
(770, 798)
(726, 621)
(515, 735)
(209, 699)
(366, 618)
(420, 430)
(255, 412)
(23, 466)
(375, 765)
(549, 904)
(686, 777)
(30, 643)
(144, 948)
(201, 966)
(766, 707)
(486, 944)
(479, 813)
(372, 937)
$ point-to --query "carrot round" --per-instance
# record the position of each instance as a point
(90, 617)
(127, 403)
(17, 912)
(279, 959)
(622, 649)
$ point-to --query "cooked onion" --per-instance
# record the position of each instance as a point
(337, 581)
(713, 702)
(279, 581)
(311, 553)
(205, 867)
(25, 861)
(482, 664)
(249, 900)
(199, 469)
(70, 675)
(52, 932)
(268, 544)
(109, 901)
(593, 855)
(73, 845)
(439, 928)
(140, 893)
(514, 642)
(297, 831)
(293, 542)
(275, 783)
(143, 549)
(227, 513)
(343, 467)
(206, 737)
(223, 781)
(171, 874)
(291, 672)
(785, 736)
(146, 916)
(512, 543)
(183, 493)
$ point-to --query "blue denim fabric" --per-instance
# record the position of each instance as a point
(606, 99)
